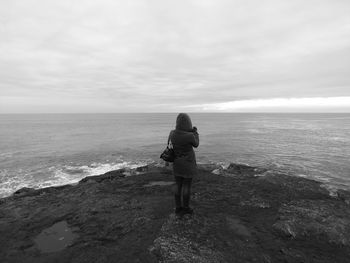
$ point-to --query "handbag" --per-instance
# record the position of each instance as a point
(168, 154)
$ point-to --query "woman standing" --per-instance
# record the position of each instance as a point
(183, 139)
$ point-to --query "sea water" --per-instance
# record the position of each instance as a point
(40, 150)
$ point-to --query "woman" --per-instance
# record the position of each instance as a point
(183, 139)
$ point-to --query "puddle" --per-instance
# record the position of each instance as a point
(236, 225)
(55, 238)
(160, 183)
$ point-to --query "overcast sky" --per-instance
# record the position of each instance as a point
(183, 55)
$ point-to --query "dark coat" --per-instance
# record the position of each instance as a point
(183, 139)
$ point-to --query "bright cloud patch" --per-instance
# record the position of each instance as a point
(277, 104)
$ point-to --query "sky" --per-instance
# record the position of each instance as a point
(96, 56)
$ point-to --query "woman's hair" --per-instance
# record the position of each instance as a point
(183, 122)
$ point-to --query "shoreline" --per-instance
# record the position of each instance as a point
(238, 215)
(218, 168)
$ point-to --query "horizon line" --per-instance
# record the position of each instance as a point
(171, 112)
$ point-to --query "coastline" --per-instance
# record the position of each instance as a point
(48, 150)
(241, 212)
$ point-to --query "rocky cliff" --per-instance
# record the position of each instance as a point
(242, 214)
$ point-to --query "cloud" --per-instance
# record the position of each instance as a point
(140, 55)
(273, 104)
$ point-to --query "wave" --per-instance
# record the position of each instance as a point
(339, 139)
(7, 155)
(97, 168)
(73, 173)
(69, 174)
(55, 176)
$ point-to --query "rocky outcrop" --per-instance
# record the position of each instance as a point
(244, 214)
(319, 219)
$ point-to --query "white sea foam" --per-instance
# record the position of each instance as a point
(302, 175)
(217, 171)
(93, 169)
(321, 178)
(339, 139)
(6, 155)
(10, 184)
(332, 190)
(257, 131)
(68, 174)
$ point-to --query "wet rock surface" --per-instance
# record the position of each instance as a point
(55, 238)
(243, 215)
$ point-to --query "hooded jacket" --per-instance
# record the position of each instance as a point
(183, 139)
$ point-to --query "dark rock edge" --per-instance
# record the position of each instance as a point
(244, 214)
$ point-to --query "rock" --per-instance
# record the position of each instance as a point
(238, 227)
(238, 217)
(240, 169)
(344, 196)
(55, 238)
(243, 169)
(114, 173)
(25, 191)
(318, 218)
(233, 169)
(217, 171)
(208, 166)
(175, 246)
(143, 168)
(333, 192)
(111, 175)
(159, 183)
(255, 202)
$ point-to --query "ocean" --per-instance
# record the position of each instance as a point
(40, 150)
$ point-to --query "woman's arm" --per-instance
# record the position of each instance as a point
(195, 141)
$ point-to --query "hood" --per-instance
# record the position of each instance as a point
(183, 122)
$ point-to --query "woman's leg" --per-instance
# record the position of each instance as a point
(178, 188)
(186, 192)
